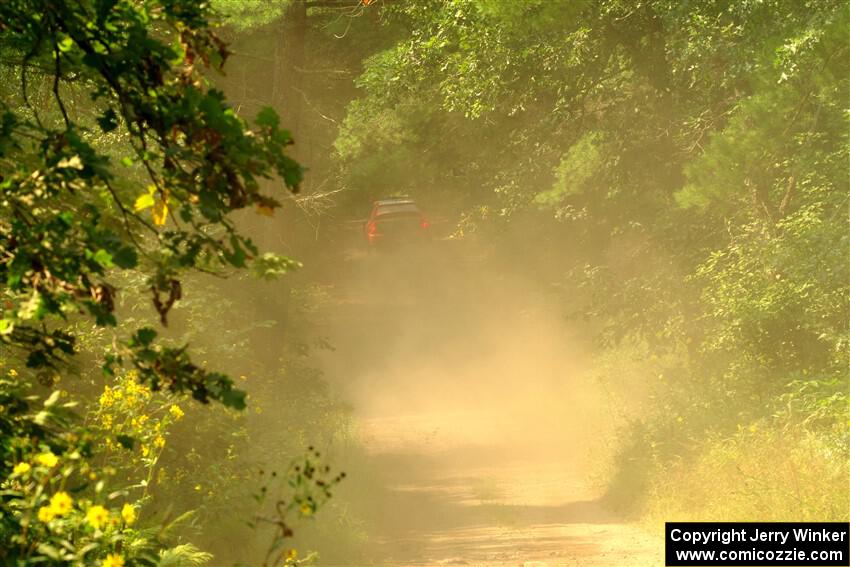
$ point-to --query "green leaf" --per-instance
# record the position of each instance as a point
(103, 258)
(6, 326)
(125, 257)
(267, 117)
(108, 121)
(238, 256)
(144, 336)
(66, 44)
(36, 359)
(233, 398)
(270, 266)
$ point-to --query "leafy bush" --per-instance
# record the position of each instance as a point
(82, 495)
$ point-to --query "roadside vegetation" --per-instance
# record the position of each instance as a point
(121, 163)
(680, 172)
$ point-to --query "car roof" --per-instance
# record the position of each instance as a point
(395, 201)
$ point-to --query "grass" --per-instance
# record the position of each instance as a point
(756, 475)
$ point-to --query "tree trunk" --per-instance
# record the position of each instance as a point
(293, 33)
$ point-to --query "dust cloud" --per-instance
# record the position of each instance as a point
(478, 429)
(482, 355)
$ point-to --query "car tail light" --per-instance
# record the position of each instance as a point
(372, 229)
(424, 223)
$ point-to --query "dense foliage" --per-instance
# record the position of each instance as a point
(140, 67)
(680, 169)
(120, 163)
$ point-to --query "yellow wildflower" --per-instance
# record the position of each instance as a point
(291, 554)
(128, 512)
(306, 509)
(21, 468)
(159, 442)
(146, 450)
(12, 372)
(61, 503)
(138, 422)
(106, 421)
(45, 514)
(97, 516)
(106, 398)
(92, 475)
(176, 412)
(135, 388)
(47, 459)
(113, 560)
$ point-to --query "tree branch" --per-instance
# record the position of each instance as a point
(56, 75)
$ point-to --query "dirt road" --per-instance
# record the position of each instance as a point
(451, 502)
(480, 437)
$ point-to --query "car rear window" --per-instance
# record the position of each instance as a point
(397, 209)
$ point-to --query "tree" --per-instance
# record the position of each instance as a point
(116, 157)
(681, 169)
(74, 209)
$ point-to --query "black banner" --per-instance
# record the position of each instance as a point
(757, 543)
